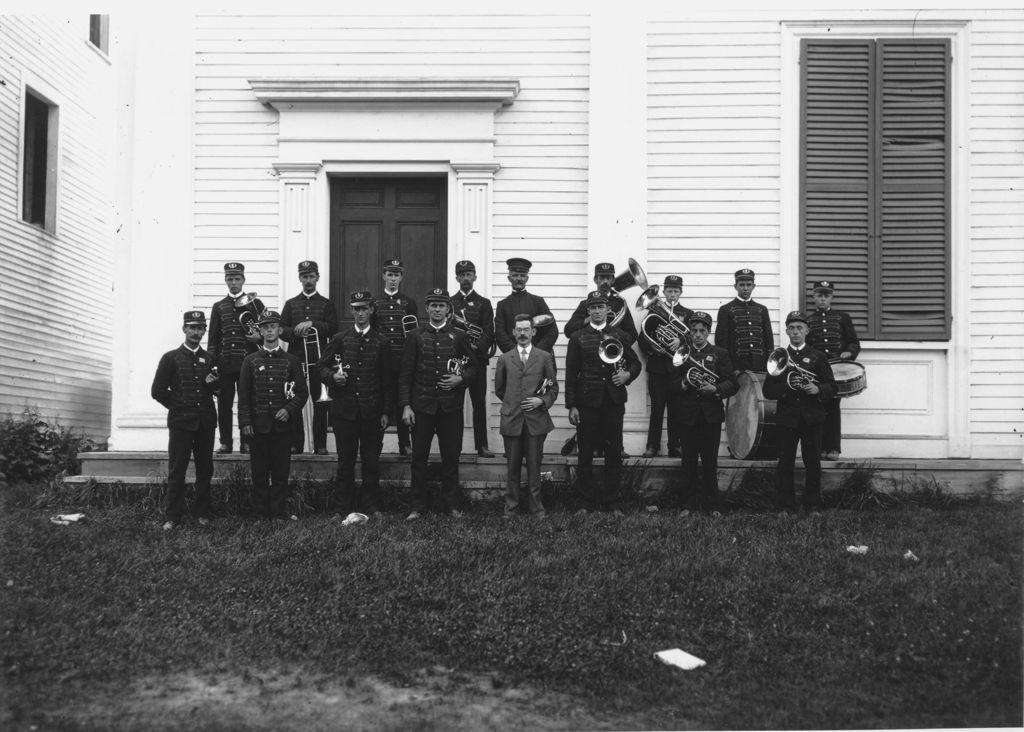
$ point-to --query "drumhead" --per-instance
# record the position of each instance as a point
(747, 420)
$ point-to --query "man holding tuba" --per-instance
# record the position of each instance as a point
(800, 378)
(437, 364)
(308, 322)
(599, 363)
(229, 342)
(618, 310)
(394, 316)
(474, 310)
(659, 370)
(702, 376)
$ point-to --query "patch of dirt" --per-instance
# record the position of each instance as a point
(439, 699)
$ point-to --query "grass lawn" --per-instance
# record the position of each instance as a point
(476, 623)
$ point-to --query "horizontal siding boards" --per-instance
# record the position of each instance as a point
(713, 156)
(541, 140)
(56, 293)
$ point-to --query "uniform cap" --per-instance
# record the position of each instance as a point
(597, 297)
(699, 316)
(824, 286)
(464, 266)
(604, 268)
(361, 297)
(194, 317)
(673, 281)
(518, 264)
(270, 316)
(308, 266)
(744, 274)
(437, 295)
(393, 265)
(796, 316)
(233, 268)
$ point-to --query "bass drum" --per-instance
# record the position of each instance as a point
(851, 378)
(750, 421)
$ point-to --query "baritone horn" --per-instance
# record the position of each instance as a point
(611, 351)
(660, 326)
(797, 377)
(250, 319)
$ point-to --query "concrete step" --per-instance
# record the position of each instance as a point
(1000, 479)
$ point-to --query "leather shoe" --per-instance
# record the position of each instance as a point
(321, 451)
(405, 451)
(833, 455)
(245, 449)
(224, 449)
(651, 452)
(625, 455)
(296, 451)
(484, 452)
(674, 452)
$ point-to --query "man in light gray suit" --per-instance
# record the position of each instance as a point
(526, 381)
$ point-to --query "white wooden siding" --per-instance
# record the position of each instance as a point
(540, 208)
(55, 293)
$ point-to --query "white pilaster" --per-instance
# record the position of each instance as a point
(297, 241)
(472, 238)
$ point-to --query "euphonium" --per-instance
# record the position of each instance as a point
(779, 362)
(250, 319)
(660, 326)
(697, 375)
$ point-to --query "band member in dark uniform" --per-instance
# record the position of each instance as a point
(526, 381)
(832, 333)
(431, 393)
(476, 310)
(698, 387)
(595, 394)
(802, 390)
(389, 308)
(659, 368)
(521, 301)
(228, 344)
(271, 393)
(306, 311)
(185, 385)
(357, 369)
(744, 327)
(604, 276)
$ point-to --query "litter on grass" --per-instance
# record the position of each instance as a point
(355, 518)
(680, 658)
(910, 556)
(857, 549)
(66, 519)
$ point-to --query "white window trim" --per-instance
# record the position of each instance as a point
(40, 88)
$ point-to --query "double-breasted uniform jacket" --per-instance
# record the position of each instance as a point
(368, 393)
(514, 382)
(526, 303)
(425, 363)
(796, 406)
(581, 316)
(388, 311)
(744, 329)
(690, 401)
(477, 310)
(226, 342)
(315, 308)
(587, 378)
(832, 332)
(180, 385)
(660, 363)
(262, 390)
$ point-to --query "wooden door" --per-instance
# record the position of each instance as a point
(379, 218)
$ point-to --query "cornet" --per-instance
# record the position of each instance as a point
(472, 330)
(779, 362)
(456, 366)
(250, 319)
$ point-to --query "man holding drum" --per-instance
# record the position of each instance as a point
(832, 333)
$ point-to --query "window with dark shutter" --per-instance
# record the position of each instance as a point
(875, 182)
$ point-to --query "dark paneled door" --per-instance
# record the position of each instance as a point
(377, 218)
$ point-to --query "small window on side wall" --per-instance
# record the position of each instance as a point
(99, 31)
(39, 164)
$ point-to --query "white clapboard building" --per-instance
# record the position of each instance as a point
(879, 148)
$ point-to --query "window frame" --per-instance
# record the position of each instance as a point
(39, 92)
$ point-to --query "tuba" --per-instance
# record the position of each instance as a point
(632, 275)
(660, 326)
(250, 319)
(797, 377)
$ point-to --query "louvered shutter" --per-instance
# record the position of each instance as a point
(836, 189)
(875, 182)
(914, 200)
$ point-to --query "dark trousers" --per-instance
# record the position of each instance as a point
(832, 430)
(809, 437)
(182, 445)
(270, 461)
(362, 436)
(448, 428)
(700, 440)
(657, 387)
(600, 428)
(516, 448)
(396, 418)
(320, 412)
(225, 403)
(478, 396)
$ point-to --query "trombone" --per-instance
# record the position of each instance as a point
(797, 377)
(311, 341)
(409, 324)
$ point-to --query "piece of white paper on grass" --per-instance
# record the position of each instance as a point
(680, 658)
(66, 519)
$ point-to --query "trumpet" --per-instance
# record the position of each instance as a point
(660, 326)
(797, 377)
(611, 351)
(409, 324)
(697, 375)
(250, 319)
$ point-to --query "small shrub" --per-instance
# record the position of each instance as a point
(34, 450)
(858, 491)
